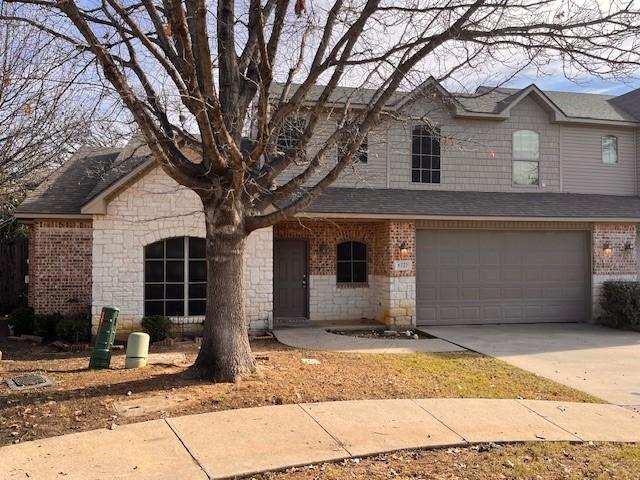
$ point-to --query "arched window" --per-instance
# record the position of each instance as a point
(352, 262)
(526, 158)
(425, 155)
(175, 277)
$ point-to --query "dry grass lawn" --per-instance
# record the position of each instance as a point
(532, 461)
(84, 399)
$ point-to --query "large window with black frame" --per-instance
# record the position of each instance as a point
(352, 263)
(425, 155)
(175, 277)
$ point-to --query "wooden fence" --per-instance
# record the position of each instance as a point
(13, 270)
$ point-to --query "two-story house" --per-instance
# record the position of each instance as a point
(509, 206)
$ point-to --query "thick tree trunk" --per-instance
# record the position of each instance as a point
(225, 354)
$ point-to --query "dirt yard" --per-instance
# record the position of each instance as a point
(87, 399)
(540, 461)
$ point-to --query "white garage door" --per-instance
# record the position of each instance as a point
(482, 277)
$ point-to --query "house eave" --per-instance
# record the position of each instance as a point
(487, 218)
(51, 216)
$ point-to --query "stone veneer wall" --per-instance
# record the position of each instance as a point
(620, 265)
(60, 266)
(388, 296)
(152, 208)
(396, 289)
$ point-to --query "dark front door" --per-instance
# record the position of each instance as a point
(290, 279)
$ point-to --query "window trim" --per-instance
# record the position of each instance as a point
(351, 261)
(523, 160)
(434, 139)
(616, 145)
(186, 260)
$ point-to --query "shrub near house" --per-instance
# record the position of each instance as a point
(621, 305)
(70, 328)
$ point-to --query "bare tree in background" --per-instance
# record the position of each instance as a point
(43, 116)
(218, 61)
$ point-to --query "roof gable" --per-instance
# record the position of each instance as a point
(64, 192)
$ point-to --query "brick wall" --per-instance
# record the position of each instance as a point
(389, 295)
(60, 266)
(323, 237)
(621, 264)
(621, 261)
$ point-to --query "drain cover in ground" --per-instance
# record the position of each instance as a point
(31, 380)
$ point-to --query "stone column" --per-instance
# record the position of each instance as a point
(396, 274)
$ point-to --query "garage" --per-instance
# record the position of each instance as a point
(487, 277)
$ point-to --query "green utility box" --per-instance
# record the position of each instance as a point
(101, 354)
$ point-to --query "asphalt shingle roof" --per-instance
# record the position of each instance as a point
(474, 204)
(573, 104)
(67, 189)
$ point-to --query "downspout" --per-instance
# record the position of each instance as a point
(560, 135)
(388, 159)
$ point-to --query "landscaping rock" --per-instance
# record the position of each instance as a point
(391, 333)
(310, 361)
(61, 346)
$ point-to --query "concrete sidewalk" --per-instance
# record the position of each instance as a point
(247, 441)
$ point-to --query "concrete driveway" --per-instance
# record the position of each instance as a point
(594, 359)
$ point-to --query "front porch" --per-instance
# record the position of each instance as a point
(347, 270)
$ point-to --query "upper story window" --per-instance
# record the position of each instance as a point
(425, 155)
(361, 155)
(175, 277)
(526, 158)
(609, 149)
(352, 262)
(290, 133)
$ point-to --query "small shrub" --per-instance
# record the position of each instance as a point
(22, 319)
(74, 328)
(45, 325)
(157, 326)
(621, 304)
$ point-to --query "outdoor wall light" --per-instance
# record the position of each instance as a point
(607, 250)
(628, 246)
(324, 249)
(404, 249)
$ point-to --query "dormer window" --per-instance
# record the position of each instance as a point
(610, 149)
(526, 158)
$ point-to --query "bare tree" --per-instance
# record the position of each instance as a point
(43, 119)
(195, 75)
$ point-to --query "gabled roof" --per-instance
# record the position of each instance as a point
(66, 190)
(496, 103)
(81, 186)
(574, 105)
